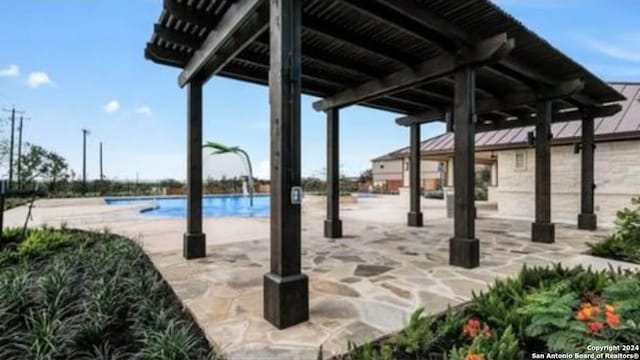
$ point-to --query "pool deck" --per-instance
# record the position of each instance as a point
(362, 286)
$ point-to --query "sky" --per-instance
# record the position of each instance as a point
(73, 64)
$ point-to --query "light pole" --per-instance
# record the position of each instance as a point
(85, 132)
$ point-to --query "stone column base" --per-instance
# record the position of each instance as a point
(414, 219)
(333, 228)
(464, 252)
(194, 246)
(543, 232)
(587, 221)
(286, 299)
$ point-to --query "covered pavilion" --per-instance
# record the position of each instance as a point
(467, 63)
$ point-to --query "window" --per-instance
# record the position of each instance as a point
(521, 161)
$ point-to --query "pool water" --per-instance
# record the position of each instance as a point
(212, 205)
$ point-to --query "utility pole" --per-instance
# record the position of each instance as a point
(20, 153)
(101, 174)
(85, 132)
(11, 143)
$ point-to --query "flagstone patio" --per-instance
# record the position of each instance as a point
(362, 286)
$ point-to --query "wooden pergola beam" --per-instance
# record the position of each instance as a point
(486, 51)
(184, 13)
(449, 37)
(286, 288)
(587, 219)
(363, 43)
(229, 25)
(543, 230)
(165, 56)
(558, 117)
(560, 91)
(333, 224)
(177, 37)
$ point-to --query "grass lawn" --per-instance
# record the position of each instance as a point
(70, 294)
(543, 310)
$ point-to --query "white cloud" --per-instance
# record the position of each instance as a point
(112, 106)
(621, 46)
(38, 78)
(10, 70)
(144, 110)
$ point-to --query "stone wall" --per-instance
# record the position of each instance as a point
(617, 177)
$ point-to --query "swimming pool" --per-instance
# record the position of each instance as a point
(212, 205)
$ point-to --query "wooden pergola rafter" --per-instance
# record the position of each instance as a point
(425, 60)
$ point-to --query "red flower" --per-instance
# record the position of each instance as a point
(471, 327)
(595, 326)
(612, 319)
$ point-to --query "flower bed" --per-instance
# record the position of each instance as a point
(624, 243)
(543, 310)
(67, 294)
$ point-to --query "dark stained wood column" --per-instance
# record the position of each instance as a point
(587, 220)
(194, 241)
(414, 218)
(542, 230)
(286, 289)
(333, 224)
(464, 248)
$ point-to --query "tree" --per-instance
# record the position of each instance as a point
(39, 164)
(366, 176)
(56, 168)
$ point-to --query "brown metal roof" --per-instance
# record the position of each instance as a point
(621, 126)
(349, 42)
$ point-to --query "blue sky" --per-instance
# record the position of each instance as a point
(75, 63)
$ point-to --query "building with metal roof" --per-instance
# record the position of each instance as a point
(617, 136)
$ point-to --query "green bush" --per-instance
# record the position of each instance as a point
(481, 193)
(70, 294)
(542, 310)
(434, 194)
(624, 243)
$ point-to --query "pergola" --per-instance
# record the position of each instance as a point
(464, 62)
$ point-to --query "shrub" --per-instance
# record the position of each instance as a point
(434, 194)
(70, 294)
(481, 193)
(624, 243)
(550, 309)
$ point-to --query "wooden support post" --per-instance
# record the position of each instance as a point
(543, 230)
(464, 248)
(414, 217)
(286, 289)
(587, 220)
(194, 241)
(333, 224)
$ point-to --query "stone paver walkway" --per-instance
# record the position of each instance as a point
(362, 286)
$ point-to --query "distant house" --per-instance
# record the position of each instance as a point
(512, 163)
